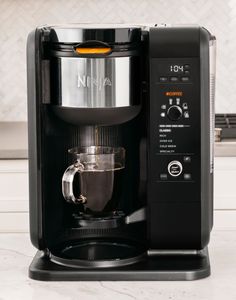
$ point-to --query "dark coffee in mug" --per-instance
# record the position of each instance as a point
(102, 189)
(99, 178)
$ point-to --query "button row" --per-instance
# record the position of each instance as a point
(187, 176)
(174, 79)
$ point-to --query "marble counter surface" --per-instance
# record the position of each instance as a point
(13, 140)
(16, 254)
(227, 147)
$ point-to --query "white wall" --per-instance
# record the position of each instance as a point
(17, 18)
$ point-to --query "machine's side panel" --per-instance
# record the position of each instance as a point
(178, 154)
(34, 140)
(207, 139)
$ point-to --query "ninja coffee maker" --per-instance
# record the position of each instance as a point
(120, 151)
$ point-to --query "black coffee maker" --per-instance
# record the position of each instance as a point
(120, 151)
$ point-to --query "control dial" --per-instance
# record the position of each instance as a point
(175, 168)
(174, 113)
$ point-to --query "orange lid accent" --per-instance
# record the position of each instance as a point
(93, 50)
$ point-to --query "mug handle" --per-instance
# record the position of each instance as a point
(67, 183)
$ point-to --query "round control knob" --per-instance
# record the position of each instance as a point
(174, 113)
(175, 168)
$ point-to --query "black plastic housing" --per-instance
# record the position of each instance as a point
(179, 209)
(50, 138)
(179, 212)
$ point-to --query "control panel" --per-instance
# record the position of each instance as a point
(175, 120)
(178, 185)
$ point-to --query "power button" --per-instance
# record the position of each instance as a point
(175, 168)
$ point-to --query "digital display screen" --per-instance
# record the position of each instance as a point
(176, 69)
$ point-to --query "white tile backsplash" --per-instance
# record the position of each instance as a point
(18, 18)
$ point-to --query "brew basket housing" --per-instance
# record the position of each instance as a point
(96, 75)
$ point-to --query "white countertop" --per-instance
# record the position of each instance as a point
(227, 147)
(16, 254)
(13, 140)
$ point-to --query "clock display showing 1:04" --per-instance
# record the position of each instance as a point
(176, 69)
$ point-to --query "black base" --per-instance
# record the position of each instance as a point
(155, 267)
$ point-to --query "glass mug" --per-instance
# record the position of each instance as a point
(100, 171)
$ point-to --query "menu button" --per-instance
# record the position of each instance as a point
(163, 79)
(174, 79)
(185, 79)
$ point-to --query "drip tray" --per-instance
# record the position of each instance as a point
(152, 267)
(99, 253)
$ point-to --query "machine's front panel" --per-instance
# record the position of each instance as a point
(174, 151)
(175, 125)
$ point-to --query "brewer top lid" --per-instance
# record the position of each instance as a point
(107, 33)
